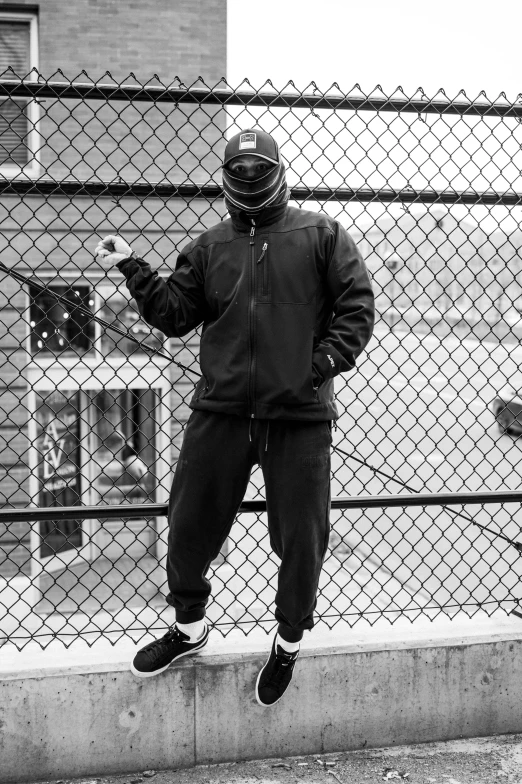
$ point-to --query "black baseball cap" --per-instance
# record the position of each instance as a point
(252, 141)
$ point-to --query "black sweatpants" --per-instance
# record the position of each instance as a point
(212, 474)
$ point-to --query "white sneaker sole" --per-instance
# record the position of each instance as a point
(140, 674)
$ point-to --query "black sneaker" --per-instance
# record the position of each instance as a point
(275, 676)
(157, 656)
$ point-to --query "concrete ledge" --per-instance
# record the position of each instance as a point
(82, 712)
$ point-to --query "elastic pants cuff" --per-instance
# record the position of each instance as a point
(288, 634)
(189, 617)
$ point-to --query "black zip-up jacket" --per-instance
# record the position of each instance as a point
(285, 302)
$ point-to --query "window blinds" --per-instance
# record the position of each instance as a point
(14, 54)
(14, 47)
(13, 132)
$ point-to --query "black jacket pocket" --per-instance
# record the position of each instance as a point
(284, 344)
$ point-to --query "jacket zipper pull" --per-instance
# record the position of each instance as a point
(265, 248)
(252, 232)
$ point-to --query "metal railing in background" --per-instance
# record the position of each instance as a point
(92, 422)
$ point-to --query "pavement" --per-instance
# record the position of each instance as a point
(464, 761)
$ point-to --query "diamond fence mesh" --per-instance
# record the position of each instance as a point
(429, 188)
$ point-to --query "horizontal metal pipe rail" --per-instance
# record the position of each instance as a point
(222, 97)
(117, 511)
(210, 191)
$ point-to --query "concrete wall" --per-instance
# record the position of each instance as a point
(348, 692)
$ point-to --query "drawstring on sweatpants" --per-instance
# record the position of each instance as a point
(267, 431)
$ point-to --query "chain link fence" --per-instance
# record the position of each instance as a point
(429, 188)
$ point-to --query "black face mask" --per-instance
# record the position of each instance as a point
(252, 196)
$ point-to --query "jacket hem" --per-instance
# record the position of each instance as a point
(314, 412)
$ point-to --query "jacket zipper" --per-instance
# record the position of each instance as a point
(265, 270)
(251, 307)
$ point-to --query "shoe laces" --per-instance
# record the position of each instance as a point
(283, 662)
(173, 635)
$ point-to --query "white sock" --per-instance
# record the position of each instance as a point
(289, 647)
(194, 630)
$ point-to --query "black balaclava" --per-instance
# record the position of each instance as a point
(253, 196)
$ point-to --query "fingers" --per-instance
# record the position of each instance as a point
(105, 246)
(102, 250)
(110, 241)
(115, 244)
(112, 249)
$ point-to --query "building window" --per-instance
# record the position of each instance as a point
(18, 116)
(59, 470)
(61, 327)
(116, 307)
(123, 445)
(58, 327)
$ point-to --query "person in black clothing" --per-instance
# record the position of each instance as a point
(286, 304)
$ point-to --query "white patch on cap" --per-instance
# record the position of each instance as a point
(247, 141)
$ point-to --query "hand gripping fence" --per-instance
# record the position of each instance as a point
(92, 416)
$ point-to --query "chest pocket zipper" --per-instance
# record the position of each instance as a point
(265, 268)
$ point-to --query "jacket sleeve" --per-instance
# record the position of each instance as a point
(176, 305)
(350, 290)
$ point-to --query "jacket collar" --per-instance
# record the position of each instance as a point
(242, 222)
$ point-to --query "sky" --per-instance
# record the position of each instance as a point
(472, 45)
(454, 44)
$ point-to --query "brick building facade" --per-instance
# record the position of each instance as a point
(73, 397)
